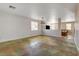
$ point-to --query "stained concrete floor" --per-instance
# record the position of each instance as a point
(38, 46)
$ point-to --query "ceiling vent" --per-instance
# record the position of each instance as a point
(12, 7)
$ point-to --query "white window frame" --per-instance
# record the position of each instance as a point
(53, 26)
(34, 25)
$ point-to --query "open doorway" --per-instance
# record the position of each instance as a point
(67, 30)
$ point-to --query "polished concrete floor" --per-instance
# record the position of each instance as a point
(38, 46)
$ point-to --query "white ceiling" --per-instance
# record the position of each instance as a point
(37, 10)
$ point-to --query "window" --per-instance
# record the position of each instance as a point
(34, 25)
(68, 26)
(53, 26)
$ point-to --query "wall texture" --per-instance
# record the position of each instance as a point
(15, 27)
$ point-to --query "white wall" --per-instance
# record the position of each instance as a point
(50, 32)
(76, 39)
(15, 27)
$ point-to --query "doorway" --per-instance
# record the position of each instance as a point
(69, 28)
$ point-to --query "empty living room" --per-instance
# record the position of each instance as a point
(39, 29)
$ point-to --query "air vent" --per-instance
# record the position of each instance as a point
(12, 7)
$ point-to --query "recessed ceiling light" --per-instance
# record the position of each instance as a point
(12, 7)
